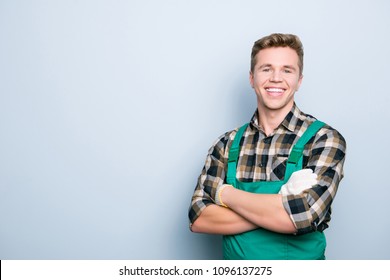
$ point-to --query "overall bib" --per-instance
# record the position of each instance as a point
(261, 243)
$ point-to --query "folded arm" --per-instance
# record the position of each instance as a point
(216, 219)
(264, 210)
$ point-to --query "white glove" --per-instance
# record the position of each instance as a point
(299, 181)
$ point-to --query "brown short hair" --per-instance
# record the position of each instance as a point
(278, 40)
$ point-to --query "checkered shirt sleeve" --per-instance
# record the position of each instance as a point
(311, 210)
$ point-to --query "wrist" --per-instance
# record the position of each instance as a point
(221, 196)
(225, 194)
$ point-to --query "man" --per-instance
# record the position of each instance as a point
(246, 192)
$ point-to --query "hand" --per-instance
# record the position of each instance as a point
(299, 181)
(218, 195)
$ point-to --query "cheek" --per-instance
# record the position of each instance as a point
(260, 80)
(294, 83)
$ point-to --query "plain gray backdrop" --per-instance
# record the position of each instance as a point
(108, 108)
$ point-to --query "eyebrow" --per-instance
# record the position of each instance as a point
(284, 66)
(265, 65)
(290, 67)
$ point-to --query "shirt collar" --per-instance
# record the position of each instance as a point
(290, 121)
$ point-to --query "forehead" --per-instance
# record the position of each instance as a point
(277, 56)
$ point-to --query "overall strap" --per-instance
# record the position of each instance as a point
(234, 152)
(294, 161)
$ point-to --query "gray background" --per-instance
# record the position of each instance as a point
(108, 108)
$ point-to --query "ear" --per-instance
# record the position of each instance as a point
(251, 79)
(299, 82)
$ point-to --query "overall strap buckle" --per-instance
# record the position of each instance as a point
(233, 154)
(295, 155)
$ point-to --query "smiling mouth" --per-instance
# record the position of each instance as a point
(275, 91)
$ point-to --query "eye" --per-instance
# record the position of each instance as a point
(287, 71)
(265, 69)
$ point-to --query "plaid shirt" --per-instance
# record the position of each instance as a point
(263, 158)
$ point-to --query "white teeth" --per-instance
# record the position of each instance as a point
(275, 89)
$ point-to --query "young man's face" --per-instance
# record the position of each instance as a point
(275, 78)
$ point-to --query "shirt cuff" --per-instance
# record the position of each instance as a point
(299, 212)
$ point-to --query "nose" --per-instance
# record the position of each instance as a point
(276, 76)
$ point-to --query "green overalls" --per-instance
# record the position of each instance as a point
(261, 243)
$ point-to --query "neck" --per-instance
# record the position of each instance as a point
(269, 120)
